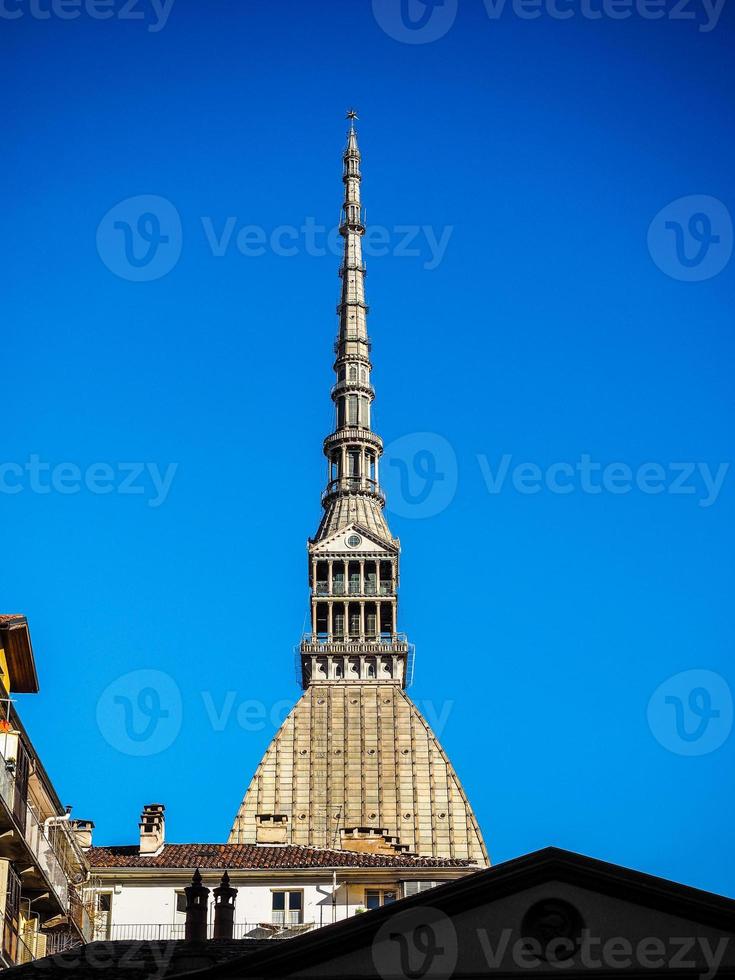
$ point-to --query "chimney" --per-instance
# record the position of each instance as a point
(82, 830)
(197, 904)
(224, 909)
(152, 830)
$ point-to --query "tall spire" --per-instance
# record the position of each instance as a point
(355, 765)
(353, 347)
(353, 557)
(353, 450)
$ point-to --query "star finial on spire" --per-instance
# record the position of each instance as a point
(352, 116)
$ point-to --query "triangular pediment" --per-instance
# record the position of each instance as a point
(343, 542)
(597, 919)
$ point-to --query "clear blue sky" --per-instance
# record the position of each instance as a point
(545, 332)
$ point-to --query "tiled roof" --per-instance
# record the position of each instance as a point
(256, 857)
(6, 618)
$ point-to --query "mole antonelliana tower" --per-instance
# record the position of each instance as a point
(355, 765)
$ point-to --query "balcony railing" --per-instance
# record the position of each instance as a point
(352, 432)
(313, 642)
(352, 484)
(41, 846)
(47, 857)
(371, 588)
(147, 931)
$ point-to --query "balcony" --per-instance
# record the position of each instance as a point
(353, 484)
(321, 643)
(353, 588)
(147, 931)
(345, 385)
(352, 433)
(50, 849)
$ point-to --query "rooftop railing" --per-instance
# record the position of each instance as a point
(153, 931)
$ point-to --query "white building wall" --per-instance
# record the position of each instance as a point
(142, 904)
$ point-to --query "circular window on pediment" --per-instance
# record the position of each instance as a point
(354, 540)
(556, 926)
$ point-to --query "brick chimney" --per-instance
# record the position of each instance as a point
(152, 829)
(82, 830)
(224, 909)
(197, 906)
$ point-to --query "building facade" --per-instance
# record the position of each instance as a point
(282, 890)
(45, 883)
(544, 915)
(355, 765)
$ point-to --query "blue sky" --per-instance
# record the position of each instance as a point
(558, 323)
